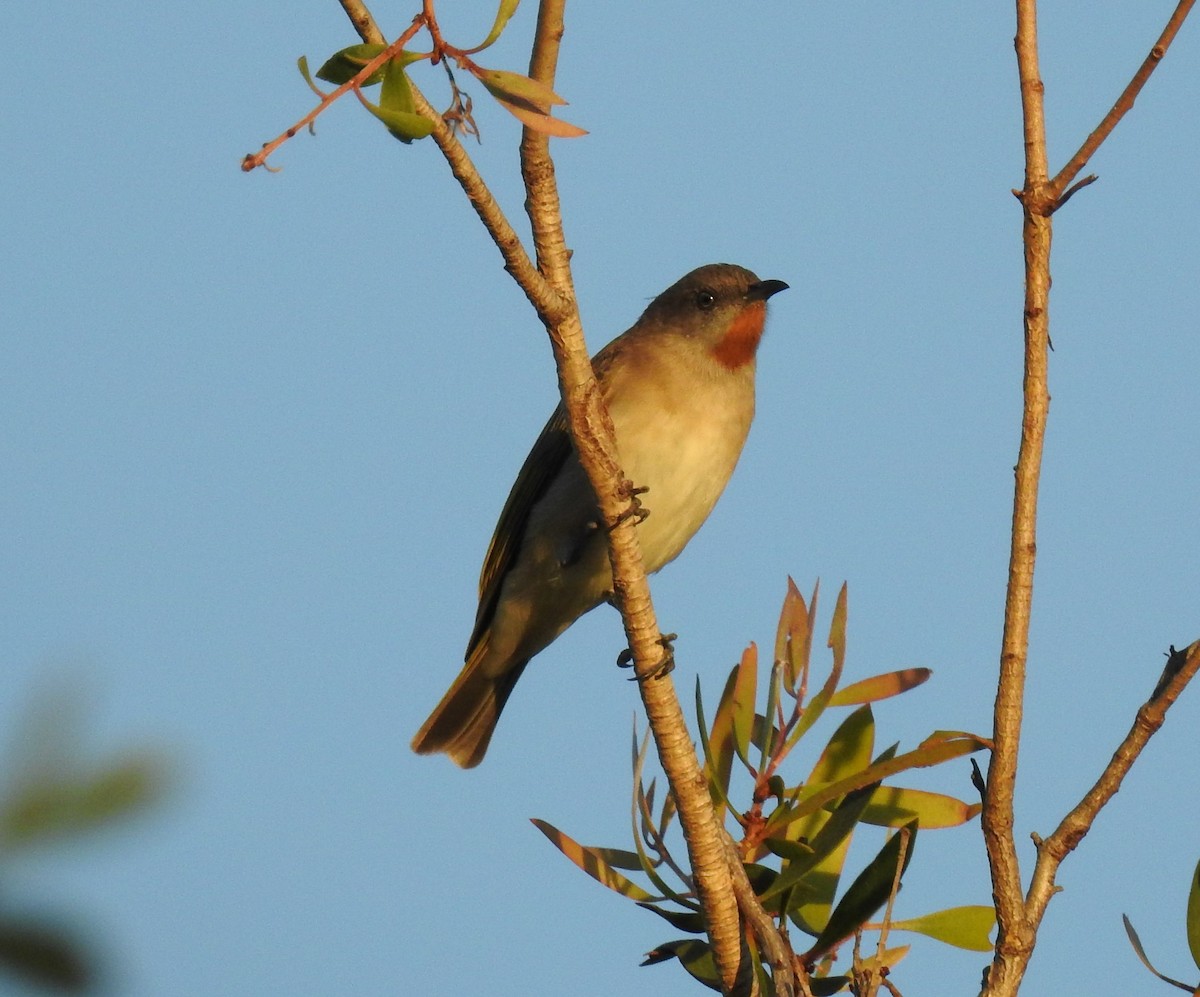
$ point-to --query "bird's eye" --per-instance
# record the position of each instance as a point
(705, 299)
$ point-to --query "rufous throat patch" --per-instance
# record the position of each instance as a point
(737, 347)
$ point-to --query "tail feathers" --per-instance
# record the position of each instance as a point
(462, 724)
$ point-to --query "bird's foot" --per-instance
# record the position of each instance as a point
(666, 664)
(635, 510)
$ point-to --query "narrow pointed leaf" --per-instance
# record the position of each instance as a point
(343, 66)
(689, 921)
(892, 806)
(695, 956)
(507, 9)
(827, 986)
(931, 752)
(1141, 954)
(963, 927)
(719, 742)
(793, 637)
(879, 687)
(744, 693)
(590, 861)
(1193, 917)
(302, 65)
(867, 893)
(539, 122)
(520, 90)
(833, 832)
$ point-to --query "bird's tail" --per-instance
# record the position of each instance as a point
(462, 724)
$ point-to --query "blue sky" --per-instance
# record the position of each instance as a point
(258, 429)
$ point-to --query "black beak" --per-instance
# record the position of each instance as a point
(764, 289)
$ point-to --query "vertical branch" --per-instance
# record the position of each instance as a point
(1014, 940)
(592, 432)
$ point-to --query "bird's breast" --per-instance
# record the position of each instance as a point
(681, 443)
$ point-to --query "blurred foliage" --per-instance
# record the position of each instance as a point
(52, 794)
(1192, 925)
(794, 836)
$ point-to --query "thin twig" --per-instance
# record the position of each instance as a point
(253, 160)
(1181, 669)
(1122, 106)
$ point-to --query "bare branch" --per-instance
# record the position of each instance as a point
(1181, 669)
(1123, 105)
(1014, 939)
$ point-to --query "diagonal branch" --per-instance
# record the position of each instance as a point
(1123, 105)
(1181, 669)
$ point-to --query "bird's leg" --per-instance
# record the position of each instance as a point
(635, 510)
(666, 664)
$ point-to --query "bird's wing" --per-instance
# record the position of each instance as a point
(541, 467)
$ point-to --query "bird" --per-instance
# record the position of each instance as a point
(679, 387)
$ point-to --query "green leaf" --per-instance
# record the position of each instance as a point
(745, 690)
(396, 108)
(302, 65)
(343, 66)
(718, 744)
(695, 955)
(1193, 917)
(932, 751)
(879, 687)
(507, 9)
(513, 88)
(867, 893)
(892, 806)
(591, 861)
(963, 927)
(1141, 954)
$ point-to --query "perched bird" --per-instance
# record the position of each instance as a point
(679, 386)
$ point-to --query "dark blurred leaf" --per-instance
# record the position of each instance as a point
(45, 956)
(963, 927)
(37, 811)
(867, 893)
(826, 986)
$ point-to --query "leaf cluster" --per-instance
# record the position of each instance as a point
(365, 65)
(793, 837)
